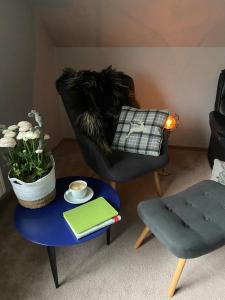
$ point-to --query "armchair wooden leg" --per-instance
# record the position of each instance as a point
(142, 237)
(176, 277)
(113, 184)
(157, 183)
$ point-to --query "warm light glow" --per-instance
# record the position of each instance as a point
(171, 122)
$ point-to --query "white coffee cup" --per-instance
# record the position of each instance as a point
(78, 189)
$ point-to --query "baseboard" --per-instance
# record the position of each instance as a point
(69, 139)
(190, 148)
(59, 143)
(180, 147)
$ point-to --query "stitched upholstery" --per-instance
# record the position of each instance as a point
(190, 223)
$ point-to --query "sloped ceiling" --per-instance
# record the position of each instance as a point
(133, 23)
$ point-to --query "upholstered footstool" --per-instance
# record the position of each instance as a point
(190, 223)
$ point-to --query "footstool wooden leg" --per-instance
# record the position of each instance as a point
(176, 277)
(141, 237)
(157, 183)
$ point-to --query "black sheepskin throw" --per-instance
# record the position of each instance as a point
(93, 101)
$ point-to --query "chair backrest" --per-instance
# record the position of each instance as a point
(220, 95)
(94, 157)
(101, 93)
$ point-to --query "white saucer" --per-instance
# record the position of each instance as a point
(88, 196)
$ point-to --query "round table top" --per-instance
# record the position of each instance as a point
(47, 226)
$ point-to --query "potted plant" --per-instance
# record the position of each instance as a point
(31, 166)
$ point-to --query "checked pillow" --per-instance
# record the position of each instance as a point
(140, 131)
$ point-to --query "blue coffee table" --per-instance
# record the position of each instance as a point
(46, 226)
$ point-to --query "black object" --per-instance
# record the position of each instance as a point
(108, 236)
(217, 124)
(115, 166)
(52, 260)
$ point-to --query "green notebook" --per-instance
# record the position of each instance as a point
(89, 214)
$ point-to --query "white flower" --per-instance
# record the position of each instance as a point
(20, 135)
(39, 151)
(37, 133)
(7, 142)
(24, 151)
(29, 135)
(10, 134)
(24, 128)
(12, 127)
(24, 124)
(5, 131)
(32, 135)
(46, 137)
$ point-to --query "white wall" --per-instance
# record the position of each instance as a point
(17, 48)
(45, 97)
(134, 23)
(182, 79)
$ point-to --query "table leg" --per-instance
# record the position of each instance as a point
(108, 236)
(52, 260)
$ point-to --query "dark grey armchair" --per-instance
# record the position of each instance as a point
(115, 166)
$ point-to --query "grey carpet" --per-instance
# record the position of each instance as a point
(95, 271)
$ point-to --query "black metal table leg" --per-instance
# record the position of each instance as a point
(108, 236)
(52, 260)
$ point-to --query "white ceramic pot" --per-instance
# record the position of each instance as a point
(35, 194)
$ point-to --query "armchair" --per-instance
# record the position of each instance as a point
(217, 124)
(110, 91)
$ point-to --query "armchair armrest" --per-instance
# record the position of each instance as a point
(164, 148)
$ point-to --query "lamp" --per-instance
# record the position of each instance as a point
(171, 122)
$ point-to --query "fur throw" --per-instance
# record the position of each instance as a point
(93, 101)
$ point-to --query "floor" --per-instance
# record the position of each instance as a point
(98, 272)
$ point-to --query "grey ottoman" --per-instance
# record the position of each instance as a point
(190, 223)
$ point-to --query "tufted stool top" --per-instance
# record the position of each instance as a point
(190, 223)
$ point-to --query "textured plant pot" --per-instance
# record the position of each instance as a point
(35, 194)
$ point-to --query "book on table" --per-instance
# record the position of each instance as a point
(91, 216)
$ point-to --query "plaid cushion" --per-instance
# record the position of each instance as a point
(140, 131)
